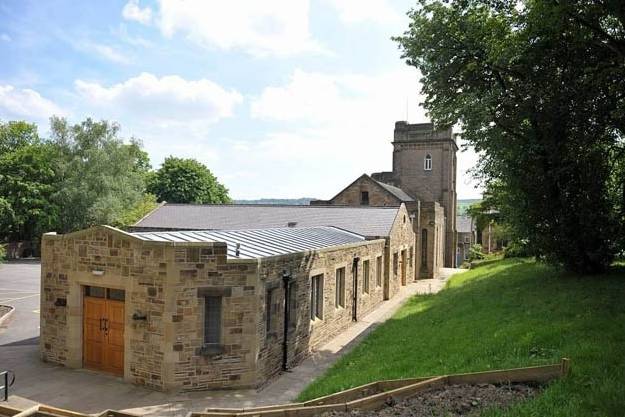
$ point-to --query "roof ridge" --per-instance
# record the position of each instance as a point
(282, 205)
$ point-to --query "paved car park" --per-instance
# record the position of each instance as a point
(19, 287)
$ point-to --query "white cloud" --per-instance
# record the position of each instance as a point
(339, 125)
(357, 11)
(260, 28)
(100, 50)
(26, 103)
(5, 37)
(132, 11)
(166, 101)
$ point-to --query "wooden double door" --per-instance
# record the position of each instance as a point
(103, 329)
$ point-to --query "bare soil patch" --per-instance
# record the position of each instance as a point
(451, 401)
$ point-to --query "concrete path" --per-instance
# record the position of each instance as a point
(91, 392)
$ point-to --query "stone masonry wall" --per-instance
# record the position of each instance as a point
(197, 269)
(306, 335)
(378, 197)
(67, 265)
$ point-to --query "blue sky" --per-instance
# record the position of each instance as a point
(278, 98)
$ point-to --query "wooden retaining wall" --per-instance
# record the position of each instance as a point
(376, 394)
(370, 396)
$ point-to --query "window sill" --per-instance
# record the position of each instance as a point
(212, 349)
(315, 321)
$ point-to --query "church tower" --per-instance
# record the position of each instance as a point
(424, 165)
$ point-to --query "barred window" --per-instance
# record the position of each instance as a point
(316, 297)
(212, 320)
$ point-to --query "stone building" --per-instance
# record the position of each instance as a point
(467, 236)
(200, 297)
(424, 179)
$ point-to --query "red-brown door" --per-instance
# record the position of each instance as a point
(103, 334)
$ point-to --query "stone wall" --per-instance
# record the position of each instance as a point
(233, 363)
(67, 266)
(411, 144)
(433, 221)
(378, 196)
(306, 334)
(167, 283)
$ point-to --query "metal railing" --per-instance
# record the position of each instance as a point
(7, 379)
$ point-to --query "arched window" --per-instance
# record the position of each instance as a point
(427, 162)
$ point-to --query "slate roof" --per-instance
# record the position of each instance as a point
(365, 221)
(463, 224)
(397, 192)
(258, 243)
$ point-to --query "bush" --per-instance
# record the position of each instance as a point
(475, 253)
(517, 249)
(3, 253)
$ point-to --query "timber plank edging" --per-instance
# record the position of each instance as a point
(397, 389)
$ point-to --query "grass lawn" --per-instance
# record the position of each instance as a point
(505, 314)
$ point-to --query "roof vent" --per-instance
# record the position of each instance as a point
(291, 224)
(237, 250)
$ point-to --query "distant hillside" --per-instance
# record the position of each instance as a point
(304, 201)
(464, 204)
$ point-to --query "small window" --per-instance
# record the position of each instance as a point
(378, 271)
(365, 277)
(316, 297)
(427, 163)
(269, 307)
(114, 294)
(212, 320)
(395, 263)
(97, 292)
(364, 198)
(339, 300)
(467, 239)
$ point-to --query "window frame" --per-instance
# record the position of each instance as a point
(427, 162)
(364, 201)
(379, 269)
(339, 289)
(206, 340)
(366, 276)
(316, 296)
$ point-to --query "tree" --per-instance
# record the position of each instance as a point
(187, 181)
(27, 181)
(539, 88)
(101, 178)
(17, 134)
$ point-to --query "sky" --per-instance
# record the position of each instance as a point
(279, 98)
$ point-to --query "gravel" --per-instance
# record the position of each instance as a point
(451, 401)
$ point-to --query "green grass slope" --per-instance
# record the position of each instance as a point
(507, 314)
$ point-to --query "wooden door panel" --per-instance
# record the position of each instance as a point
(114, 353)
(103, 335)
(93, 346)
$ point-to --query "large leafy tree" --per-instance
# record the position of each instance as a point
(17, 134)
(101, 177)
(187, 181)
(539, 88)
(27, 181)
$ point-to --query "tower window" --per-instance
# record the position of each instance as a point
(427, 163)
(364, 198)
